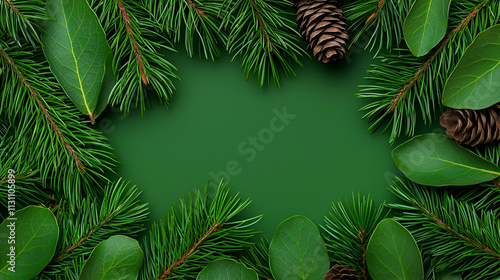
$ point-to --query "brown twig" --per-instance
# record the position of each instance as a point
(198, 10)
(137, 51)
(14, 8)
(108, 217)
(215, 227)
(261, 24)
(16, 177)
(496, 183)
(362, 238)
(375, 13)
(44, 110)
(449, 229)
(408, 85)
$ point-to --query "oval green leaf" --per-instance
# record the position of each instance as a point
(297, 251)
(227, 270)
(436, 160)
(392, 253)
(75, 46)
(118, 257)
(28, 242)
(475, 82)
(426, 24)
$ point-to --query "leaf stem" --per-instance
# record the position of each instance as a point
(44, 110)
(89, 234)
(424, 67)
(215, 227)
(137, 51)
(449, 229)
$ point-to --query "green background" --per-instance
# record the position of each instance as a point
(323, 154)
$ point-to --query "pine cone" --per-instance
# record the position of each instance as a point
(472, 127)
(342, 272)
(323, 26)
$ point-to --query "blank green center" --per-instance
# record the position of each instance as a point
(291, 151)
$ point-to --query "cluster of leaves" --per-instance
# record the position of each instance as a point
(404, 86)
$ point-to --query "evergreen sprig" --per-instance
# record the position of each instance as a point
(19, 20)
(86, 223)
(403, 85)
(453, 232)
(138, 54)
(265, 38)
(378, 24)
(348, 230)
(194, 234)
(44, 131)
(257, 258)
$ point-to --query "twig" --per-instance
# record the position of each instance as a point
(362, 238)
(408, 85)
(108, 217)
(44, 110)
(137, 51)
(15, 178)
(14, 8)
(215, 227)
(449, 229)
(261, 24)
(375, 13)
(198, 10)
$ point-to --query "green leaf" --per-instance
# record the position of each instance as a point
(75, 46)
(426, 25)
(227, 270)
(475, 82)
(392, 253)
(118, 257)
(436, 160)
(108, 83)
(297, 251)
(35, 232)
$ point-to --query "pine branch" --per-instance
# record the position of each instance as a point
(138, 54)
(48, 131)
(86, 223)
(19, 19)
(378, 24)
(196, 22)
(452, 231)
(265, 38)
(257, 258)
(404, 84)
(348, 231)
(194, 234)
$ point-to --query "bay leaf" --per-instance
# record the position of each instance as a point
(33, 237)
(227, 270)
(297, 251)
(425, 25)
(436, 160)
(475, 82)
(75, 46)
(392, 253)
(118, 257)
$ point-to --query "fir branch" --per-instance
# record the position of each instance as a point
(348, 230)
(265, 38)
(257, 258)
(48, 131)
(196, 233)
(43, 109)
(138, 54)
(19, 19)
(196, 22)
(86, 223)
(378, 23)
(465, 237)
(405, 84)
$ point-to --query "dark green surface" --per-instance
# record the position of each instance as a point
(323, 154)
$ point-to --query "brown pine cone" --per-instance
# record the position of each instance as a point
(342, 272)
(323, 26)
(472, 127)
